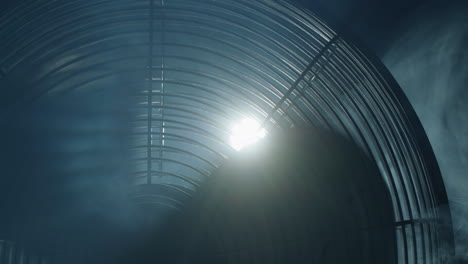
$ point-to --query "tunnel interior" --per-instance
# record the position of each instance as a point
(117, 122)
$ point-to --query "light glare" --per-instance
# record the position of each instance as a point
(246, 132)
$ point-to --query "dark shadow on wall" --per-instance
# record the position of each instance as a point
(300, 196)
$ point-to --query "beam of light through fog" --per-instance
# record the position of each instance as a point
(246, 132)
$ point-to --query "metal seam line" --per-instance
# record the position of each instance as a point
(299, 79)
(308, 81)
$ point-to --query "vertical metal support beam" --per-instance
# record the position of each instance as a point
(150, 94)
(155, 101)
(161, 97)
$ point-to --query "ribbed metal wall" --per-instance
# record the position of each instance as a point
(192, 68)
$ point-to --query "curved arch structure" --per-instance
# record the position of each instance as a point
(191, 68)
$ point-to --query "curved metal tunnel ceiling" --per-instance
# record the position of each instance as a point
(189, 69)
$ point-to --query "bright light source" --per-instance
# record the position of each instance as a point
(246, 132)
